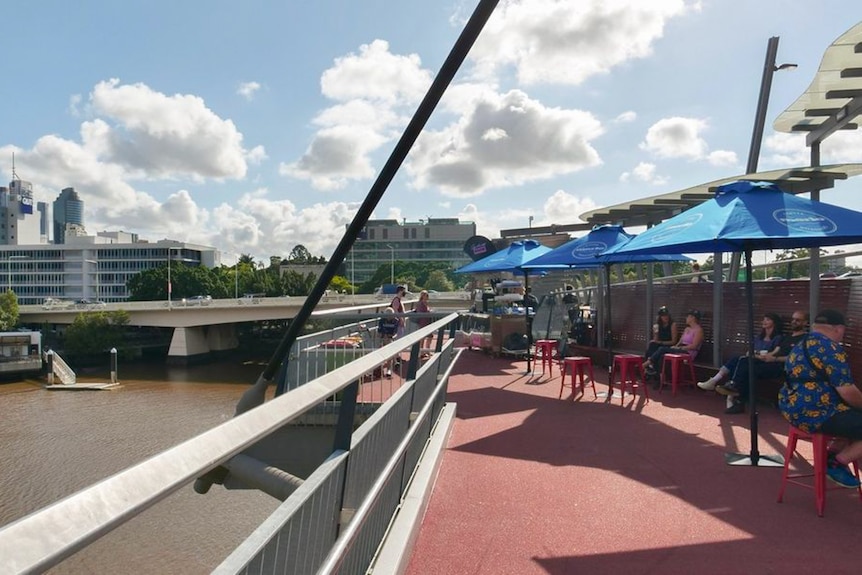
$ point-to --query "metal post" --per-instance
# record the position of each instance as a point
(50, 355)
(113, 365)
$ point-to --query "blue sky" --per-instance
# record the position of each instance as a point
(257, 126)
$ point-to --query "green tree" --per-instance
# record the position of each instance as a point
(437, 280)
(8, 310)
(340, 284)
(300, 255)
(95, 332)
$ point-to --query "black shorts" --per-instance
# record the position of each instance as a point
(846, 424)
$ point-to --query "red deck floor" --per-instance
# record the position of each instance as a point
(534, 484)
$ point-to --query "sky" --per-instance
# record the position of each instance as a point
(254, 127)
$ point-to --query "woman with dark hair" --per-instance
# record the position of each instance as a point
(766, 342)
(689, 342)
(664, 332)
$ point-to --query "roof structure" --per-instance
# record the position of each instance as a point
(652, 210)
(834, 97)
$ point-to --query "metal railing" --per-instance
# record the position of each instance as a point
(338, 514)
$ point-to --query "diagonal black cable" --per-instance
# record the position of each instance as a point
(256, 395)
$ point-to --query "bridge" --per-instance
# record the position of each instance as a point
(202, 327)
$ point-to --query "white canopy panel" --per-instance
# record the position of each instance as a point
(835, 94)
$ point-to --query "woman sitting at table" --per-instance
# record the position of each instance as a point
(664, 332)
(689, 342)
(767, 341)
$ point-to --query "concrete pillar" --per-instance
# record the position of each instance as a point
(222, 337)
(188, 342)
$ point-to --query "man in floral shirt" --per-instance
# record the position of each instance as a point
(819, 394)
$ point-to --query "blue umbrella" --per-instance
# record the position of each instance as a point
(745, 216)
(588, 251)
(511, 260)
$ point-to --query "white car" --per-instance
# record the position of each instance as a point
(197, 300)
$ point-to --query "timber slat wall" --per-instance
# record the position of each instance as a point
(631, 319)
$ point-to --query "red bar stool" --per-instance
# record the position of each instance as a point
(676, 361)
(628, 366)
(819, 442)
(579, 365)
(545, 353)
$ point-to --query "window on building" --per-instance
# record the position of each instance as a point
(413, 233)
(385, 234)
(427, 233)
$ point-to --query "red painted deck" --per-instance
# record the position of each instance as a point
(534, 484)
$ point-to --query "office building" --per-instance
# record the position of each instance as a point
(91, 267)
(383, 242)
(68, 215)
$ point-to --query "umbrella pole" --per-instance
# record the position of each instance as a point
(528, 321)
(753, 459)
(608, 332)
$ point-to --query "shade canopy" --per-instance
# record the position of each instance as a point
(512, 259)
(745, 216)
(588, 251)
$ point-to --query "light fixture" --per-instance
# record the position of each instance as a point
(785, 66)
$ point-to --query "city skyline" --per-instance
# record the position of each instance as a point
(259, 129)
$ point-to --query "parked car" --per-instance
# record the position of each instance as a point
(850, 274)
(828, 275)
(198, 300)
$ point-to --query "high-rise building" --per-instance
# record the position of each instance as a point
(68, 214)
(18, 224)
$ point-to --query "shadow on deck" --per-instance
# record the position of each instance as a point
(534, 484)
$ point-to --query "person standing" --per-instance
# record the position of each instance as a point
(398, 307)
(819, 394)
(423, 307)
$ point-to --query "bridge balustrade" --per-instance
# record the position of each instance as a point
(334, 521)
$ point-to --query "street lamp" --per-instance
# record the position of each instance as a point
(236, 279)
(170, 249)
(391, 264)
(98, 286)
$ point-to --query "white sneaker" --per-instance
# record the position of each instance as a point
(708, 385)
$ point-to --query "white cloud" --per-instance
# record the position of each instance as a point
(506, 140)
(564, 42)
(724, 158)
(676, 138)
(782, 150)
(370, 88)
(160, 136)
(376, 74)
(248, 89)
(564, 208)
(644, 172)
(626, 117)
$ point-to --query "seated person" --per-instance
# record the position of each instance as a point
(766, 342)
(820, 395)
(689, 342)
(664, 332)
(766, 365)
(387, 328)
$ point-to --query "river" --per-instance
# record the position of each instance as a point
(54, 443)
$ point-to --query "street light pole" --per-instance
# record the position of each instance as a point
(391, 264)
(236, 279)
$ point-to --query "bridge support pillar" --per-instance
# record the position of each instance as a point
(222, 337)
(187, 344)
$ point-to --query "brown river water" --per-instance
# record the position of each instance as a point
(54, 443)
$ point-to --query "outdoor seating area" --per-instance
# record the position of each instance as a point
(530, 483)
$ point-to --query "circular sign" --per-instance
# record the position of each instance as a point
(804, 221)
(588, 250)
